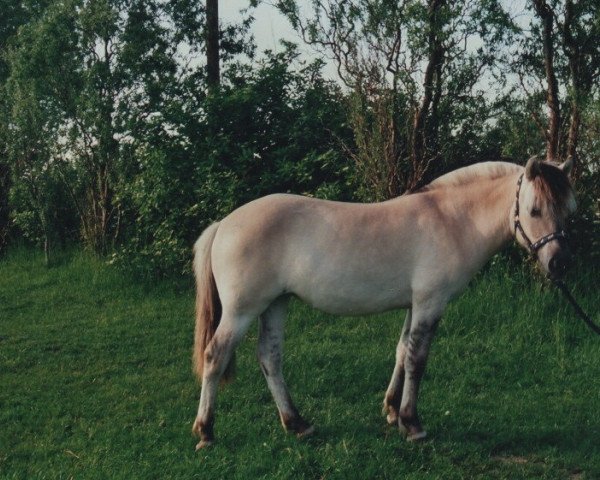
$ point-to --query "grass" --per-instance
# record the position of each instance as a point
(95, 382)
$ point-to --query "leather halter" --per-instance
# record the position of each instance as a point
(533, 246)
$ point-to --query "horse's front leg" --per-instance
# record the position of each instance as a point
(421, 333)
(393, 395)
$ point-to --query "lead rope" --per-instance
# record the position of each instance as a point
(534, 247)
(563, 288)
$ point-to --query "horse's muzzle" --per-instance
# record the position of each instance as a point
(559, 264)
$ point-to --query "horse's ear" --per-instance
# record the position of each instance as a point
(532, 169)
(567, 165)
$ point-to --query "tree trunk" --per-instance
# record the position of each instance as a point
(46, 249)
(436, 56)
(574, 56)
(4, 206)
(212, 43)
(553, 134)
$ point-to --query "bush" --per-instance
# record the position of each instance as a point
(267, 130)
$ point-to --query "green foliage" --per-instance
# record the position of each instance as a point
(270, 129)
(42, 209)
(90, 73)
(586, 224)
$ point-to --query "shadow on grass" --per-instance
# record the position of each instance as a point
(534, 442)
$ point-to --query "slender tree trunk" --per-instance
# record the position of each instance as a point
(553, 134)
(46, 249)
(107, 152)
(436, 56)
(394, 188)
(4, 206)
(212, 44)
(573, 53)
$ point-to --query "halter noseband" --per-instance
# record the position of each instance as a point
(533, 247)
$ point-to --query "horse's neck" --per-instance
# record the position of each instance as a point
(485, 208)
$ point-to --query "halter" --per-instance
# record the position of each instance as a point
(533, 247)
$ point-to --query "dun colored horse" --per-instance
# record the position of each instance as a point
(416, 252)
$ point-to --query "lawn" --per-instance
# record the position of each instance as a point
(95, 382)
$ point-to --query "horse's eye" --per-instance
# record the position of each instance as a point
(536, 212)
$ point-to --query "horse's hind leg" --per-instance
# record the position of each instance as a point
(270, 351)
(230, 331)
(421, 334)
(393, 395)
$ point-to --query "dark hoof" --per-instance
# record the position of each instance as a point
(204, 432)
(297, 425)
(309, 430)
(411, 427)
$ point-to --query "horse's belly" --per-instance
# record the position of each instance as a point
(359, 299)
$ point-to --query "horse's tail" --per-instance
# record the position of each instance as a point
(208, 303)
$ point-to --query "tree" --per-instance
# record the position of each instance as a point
(546, 14)
(568, 33)
(405, 63)
(98, 70)
(580, 34)
(278, 132)
(14, 14)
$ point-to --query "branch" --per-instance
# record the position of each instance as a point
(532, 112)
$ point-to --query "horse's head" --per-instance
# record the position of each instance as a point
(545, 199)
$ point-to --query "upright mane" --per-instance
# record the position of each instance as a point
(472, 173)
(552, 183)
(554, 187)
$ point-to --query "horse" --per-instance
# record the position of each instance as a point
(413, 252)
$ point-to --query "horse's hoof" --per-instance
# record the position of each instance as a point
(417, 436)
(203, 444)
(296, 424)
(309, 430)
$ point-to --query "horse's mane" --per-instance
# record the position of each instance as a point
(551, 184)
(472, 173)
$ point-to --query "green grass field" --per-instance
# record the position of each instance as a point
(95, 382)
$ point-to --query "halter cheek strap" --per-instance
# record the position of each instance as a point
(533, 246)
